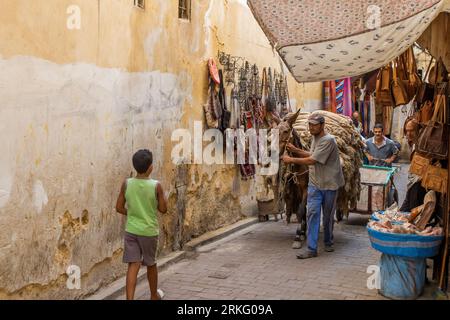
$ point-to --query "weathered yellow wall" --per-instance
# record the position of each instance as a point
(75, 104)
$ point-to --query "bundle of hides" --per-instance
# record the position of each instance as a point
(393, 214)
(405, 228)
(393, 221)
(351, 147)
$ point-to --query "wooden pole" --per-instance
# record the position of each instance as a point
(443, 280)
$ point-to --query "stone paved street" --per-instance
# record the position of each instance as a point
(259, 263)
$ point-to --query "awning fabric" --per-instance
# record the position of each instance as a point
(326, 40)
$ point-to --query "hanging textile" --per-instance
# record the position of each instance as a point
(324, 40)
(326, 96)
(344, 97)
(372, 112)
(329, 95)
(362, 114)
(388, 112)
(367, 108)
(340, 96)
(333, 96)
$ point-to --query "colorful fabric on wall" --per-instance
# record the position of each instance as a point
(326, 96)
(344, 97)
(340, 96)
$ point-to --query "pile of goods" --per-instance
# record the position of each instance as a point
(391, 214)
(350, 146)
(393, 221)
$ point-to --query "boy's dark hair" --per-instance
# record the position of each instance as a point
(379, 126)
(142, 160)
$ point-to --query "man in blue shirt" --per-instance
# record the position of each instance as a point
(380, 151)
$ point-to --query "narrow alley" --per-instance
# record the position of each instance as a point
(224, 149)
(258, 263)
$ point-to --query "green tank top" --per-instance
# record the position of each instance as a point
(142, 213)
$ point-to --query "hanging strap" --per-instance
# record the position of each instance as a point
(394, 70)
(428, 69)
(264, 83)
(438, 104)
(287, 93)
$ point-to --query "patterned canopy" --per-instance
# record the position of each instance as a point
(332, 39)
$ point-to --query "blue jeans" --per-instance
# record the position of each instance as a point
(325, 201)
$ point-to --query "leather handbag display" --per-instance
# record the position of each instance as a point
(413, 82)
(419, 164)
(426, 112)
(398, 91)
(426, 90)
(433, 138)
(435, 178)
(438, 73)
(386, 78)
(383, 95)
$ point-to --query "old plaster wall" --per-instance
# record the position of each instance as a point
(75, 104)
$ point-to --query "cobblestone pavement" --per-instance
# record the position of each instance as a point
(259, 263)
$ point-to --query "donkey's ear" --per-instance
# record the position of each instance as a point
(291, 118)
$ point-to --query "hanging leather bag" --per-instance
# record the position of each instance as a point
(426, 90)
(426, 112)
(435, 178)
(433, 138)
(402, 72)
(419, 164)
(386, 78)
(413, 80)
(382, 95)
(438, 73)
(398, 91)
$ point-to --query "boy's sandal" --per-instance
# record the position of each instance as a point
(160, 294)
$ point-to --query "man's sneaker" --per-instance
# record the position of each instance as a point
(306, 254)
(329, 248)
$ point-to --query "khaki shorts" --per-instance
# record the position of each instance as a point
(140, 249)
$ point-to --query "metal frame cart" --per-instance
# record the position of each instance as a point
(372, 178)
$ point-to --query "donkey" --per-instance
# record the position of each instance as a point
(293, 180)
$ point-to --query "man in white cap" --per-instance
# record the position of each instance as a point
(325, 178)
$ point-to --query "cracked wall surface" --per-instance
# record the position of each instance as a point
(76, 104)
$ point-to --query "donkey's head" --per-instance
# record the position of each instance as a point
(285, 129)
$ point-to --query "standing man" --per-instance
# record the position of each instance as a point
(415, 193)
(358, 125)
(380, 151)
(325, 178)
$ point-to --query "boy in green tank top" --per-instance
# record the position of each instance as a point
(143, 197)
